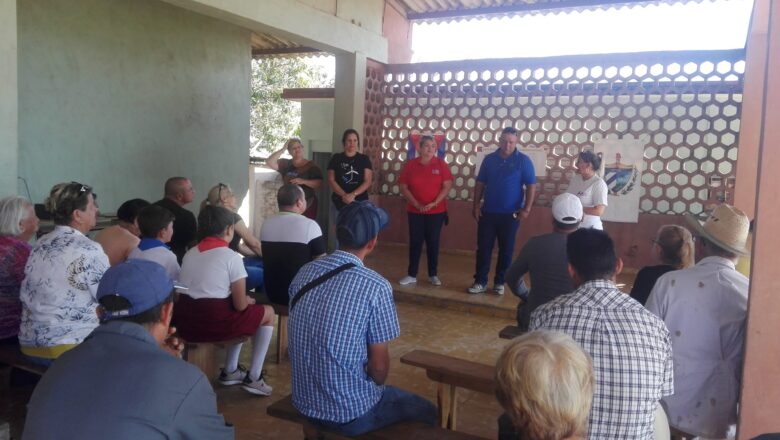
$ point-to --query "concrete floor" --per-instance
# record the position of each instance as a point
(441, 319)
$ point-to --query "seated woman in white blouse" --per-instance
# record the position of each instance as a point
(61, 277)
(590, 189)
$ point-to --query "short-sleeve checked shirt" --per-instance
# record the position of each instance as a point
(631, 352)
(330, 329)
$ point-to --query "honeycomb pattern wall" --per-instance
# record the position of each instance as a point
(685, 106)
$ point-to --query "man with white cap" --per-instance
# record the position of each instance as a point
(126, 380)
(544, 257)
(342, 319)
(705, 309)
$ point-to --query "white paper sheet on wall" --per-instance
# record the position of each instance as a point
(538, 157)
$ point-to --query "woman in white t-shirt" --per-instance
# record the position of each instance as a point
(590, 188)
(216, 306)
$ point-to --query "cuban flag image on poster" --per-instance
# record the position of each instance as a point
(621, 168)
(413, 145)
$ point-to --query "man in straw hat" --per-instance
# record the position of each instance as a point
(705, 308)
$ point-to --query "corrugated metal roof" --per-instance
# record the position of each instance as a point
(266, 45)
(458, 10)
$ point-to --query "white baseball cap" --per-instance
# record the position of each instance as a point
(567, 209)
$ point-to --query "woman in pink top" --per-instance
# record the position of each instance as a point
(18, 224)
(425, 183)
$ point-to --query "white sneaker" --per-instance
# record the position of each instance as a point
(435, 280)
(477, 288)
(233, 378)
(405, 281)
(498, 289)
(257, 387)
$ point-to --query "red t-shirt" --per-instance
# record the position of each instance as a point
(424, 182)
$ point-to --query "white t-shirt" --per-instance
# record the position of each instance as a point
(591, 192)
(209, 274)
(162, 256)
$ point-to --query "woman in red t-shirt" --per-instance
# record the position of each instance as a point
(425, 183)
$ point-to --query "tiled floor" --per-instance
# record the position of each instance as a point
(441, 319)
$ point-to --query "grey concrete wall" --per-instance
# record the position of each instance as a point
(9, 142)
(123, 94)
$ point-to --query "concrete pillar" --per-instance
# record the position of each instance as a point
(350, 90)
(9, 100)
(348, 108)
(752, 109)
(761, 375)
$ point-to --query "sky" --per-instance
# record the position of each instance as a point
(719, 24)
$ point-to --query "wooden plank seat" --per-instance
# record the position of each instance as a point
(284, 409)
(12, 355)
(510, 332)
(452, 373)
(203, 354)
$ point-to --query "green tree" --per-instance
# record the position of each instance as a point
(274, 119)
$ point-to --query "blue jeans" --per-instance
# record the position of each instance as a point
(492, 228)
(254, 273)
(396, 405)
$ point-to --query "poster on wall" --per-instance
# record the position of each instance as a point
(537, 155)
(621, 169)
(413, 145)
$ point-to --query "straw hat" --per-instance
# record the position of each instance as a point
(727, 227)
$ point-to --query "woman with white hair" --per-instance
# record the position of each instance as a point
(544, 382)
(61, 277)
(18, 224)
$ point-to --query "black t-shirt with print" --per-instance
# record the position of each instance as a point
(350, 174)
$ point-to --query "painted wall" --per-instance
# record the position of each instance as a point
(9, 142)
(121, 95)
(398, 31)
(317, 125)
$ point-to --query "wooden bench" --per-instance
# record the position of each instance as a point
(284, 409)
(203, 354)
(282, 312)
(452, 373)
(11, 355)
(510, 332)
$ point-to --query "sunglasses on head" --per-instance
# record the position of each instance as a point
(82, 189)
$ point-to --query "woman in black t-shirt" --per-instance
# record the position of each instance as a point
(349, 173)
(673, 247)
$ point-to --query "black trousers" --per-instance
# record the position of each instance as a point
(424, 228)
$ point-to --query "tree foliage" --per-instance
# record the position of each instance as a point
(274, 119)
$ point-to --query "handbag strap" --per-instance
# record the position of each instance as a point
(319, 280)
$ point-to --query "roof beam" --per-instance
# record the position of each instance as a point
(518, 9)
(293, 21)
(258, 53)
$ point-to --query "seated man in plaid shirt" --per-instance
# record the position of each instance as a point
(342, 319)
(630, 347)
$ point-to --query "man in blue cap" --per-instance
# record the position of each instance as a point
(126, 380)
(342, 319)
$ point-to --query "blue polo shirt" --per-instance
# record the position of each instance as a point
(504, 180)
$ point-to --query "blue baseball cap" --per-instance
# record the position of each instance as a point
(359, 222)
(140, 284)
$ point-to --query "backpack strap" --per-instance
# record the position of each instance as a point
(317, 281)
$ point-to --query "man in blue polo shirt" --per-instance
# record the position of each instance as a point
(342, 319)
(506, 179)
